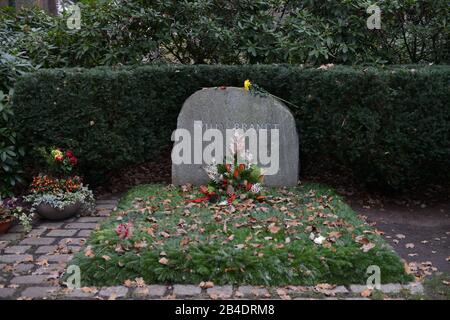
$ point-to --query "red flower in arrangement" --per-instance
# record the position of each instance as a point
(73, 160)
(231, 198)
(124, 230)
(69, 154)
(59, 158)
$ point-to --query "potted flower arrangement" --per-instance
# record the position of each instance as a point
(10, 212)
(60, 194)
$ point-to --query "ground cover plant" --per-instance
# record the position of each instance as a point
(297, 236)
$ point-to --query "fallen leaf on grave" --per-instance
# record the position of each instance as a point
(164, 261)
(409, 245)
(140, 282)
(186, 187)
(367, 247)
(140, 244)
(324, 287)
(128, 283)
(273, 228)
(283, 294)
(88, 290)
(335, 234)
(112, 297)
(412, 254)
(407, 268)
(106, 258)
(400, 236)
(43, 263)
(184, 241)
(164, 234)
(206, 284)
(88, 252)
(362, 240)
(366, 293)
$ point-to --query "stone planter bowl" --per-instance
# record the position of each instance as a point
(5, 225)
(48, 212)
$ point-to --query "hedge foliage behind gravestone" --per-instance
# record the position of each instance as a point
(390, 127)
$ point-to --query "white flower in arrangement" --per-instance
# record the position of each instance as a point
(256, 188)
(212, 171)
(237, 145)
(249, 158)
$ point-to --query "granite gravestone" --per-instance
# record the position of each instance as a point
(237, 110)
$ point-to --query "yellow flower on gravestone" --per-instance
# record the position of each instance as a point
(247, 85)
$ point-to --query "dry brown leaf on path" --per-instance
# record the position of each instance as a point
(164, 261)
(140, 282)
(128, 283)
(409, 245)
(366, 293)
(206, 284)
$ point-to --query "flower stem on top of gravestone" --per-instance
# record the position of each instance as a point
(257, 90)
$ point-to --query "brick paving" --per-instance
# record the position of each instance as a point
(31, 265)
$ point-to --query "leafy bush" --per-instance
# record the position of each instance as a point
(10, 152)
(390, 127)
(13, 63)
(234, 32)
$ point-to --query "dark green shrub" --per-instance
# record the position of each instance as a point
(390, 127)
(10, 152)
(311, 32)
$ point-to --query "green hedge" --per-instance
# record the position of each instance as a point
(390, 127)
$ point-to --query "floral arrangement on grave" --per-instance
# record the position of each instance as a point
(59, 193)
(236, 179)
(10, 211)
